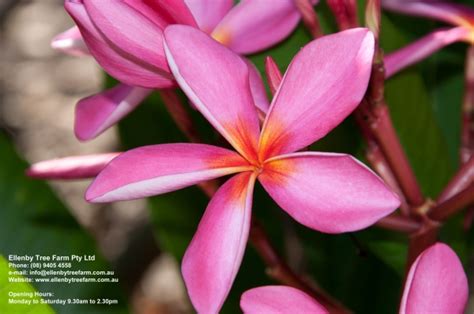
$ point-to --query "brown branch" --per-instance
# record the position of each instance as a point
(399, 223)
(375, 120)
(387, 139)
(461, 180)
(378, 162)
(345, 13)
(309, 17)
(453, 205)
(179, 114)
(426, 236)
(467, 133)
(279, 270)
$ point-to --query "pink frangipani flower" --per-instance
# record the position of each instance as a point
(328, 192)
(460, 16)
(125, 37)
(436, 283)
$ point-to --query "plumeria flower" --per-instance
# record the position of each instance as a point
(461, 17)
(328, 192)
(125, 37)
(436, 283)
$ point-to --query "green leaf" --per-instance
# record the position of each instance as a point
(15, 290)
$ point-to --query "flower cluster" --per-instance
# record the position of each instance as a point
(199, 47)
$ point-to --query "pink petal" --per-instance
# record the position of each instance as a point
(422, 48)
(452, 13)
(279, 300)
(208, 13)
(217, 82)
(257, 88)
(323, 84)
(129, 31)
(176, 9)
(436, 283)
(70, 42)
(74, 167)
(97, 113)
(157, 169)
(153, 10)
(129, 69)
(255, 25)
(331, 193)
(213, 258)
(273, 73)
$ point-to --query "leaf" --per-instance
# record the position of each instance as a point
(7, 288)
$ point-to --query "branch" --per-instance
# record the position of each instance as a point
(467, 136)
(378, 162)
(459, 182)
(345, 12)
(453, 205)
(426, 236)
(376, 123)
(387, 139)
(309, 17)
(279, 270)
(179, 114)
(399, 223)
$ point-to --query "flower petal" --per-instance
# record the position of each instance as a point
(217, 82)
(70, 42)
(323, 84)
(153, 10)
(176, 9)
(452, 13)
(255, 25)
(422, 48)
(279, 300)
(436, 283)
(328, 192)
(157, 169)
(208, 13)
(213, 258)
(129, 69)
(73, 167)
(258, 89)
(97, 113)
(128, 30)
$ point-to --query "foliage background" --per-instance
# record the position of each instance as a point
(363, 269)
